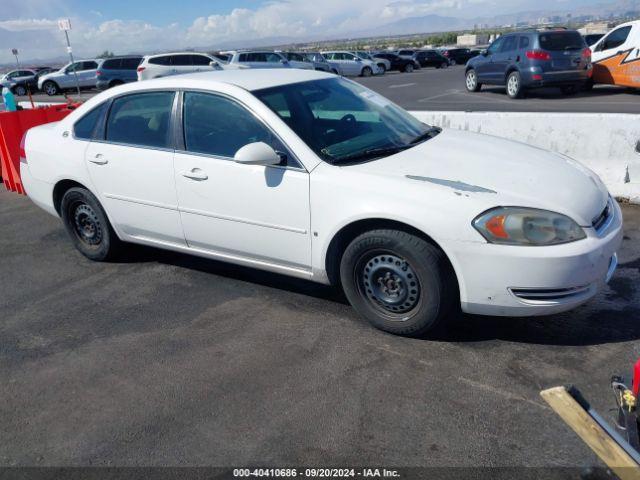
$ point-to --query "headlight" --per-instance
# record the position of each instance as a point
(527, 226)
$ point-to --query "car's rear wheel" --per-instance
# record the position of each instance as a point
(471, 81)
(408, 68)
(50, 88)
(367, 72)
(452, 62)
(20, 90)
(514, 85)
(382, 67)
(399, 282)
(444, 65)
(88, 225)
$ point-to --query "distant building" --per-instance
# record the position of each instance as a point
(595, 27)
(471, 40)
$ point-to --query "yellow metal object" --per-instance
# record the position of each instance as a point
(629, 399)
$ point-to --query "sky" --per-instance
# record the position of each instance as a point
(145, 26)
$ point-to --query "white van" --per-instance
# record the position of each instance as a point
(166, 64)
(616, 56)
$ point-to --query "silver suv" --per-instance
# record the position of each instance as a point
(65, 78)
(257, 59)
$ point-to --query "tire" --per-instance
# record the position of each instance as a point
(514, 85)
(569, 89)
(452, 62)
(444, 65)
(50, 88)
(88, 225)
(408, 68)
(382, 67)
(20, 91)
(399, 282)
(367, 72)
(471, 81)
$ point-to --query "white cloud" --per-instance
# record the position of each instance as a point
(28, 24)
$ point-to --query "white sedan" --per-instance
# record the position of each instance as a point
(314, 176)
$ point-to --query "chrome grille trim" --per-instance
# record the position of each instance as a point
(548, 294)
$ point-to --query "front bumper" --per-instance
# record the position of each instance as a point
(529, 281)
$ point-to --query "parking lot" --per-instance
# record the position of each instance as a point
(165, 359)
(431, 89)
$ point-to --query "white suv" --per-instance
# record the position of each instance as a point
(351, 64)
(165, 64)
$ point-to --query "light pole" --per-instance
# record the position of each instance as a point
(65, 25)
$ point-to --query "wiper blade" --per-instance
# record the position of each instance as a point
(430, 133)
(370, 154)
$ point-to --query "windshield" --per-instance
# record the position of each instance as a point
(342, 121)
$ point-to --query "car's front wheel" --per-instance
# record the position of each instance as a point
(20, 90)
(399, 282)
(408, 68)
(88, 225)
(471, 81)
(514, 85)
(367, 72)
(50, 88)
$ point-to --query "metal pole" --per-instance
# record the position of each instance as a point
(17, 61)
(66, 34)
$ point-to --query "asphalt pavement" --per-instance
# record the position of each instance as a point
(432, 89)
(167, 359)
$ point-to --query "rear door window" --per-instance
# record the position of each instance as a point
(141, 119)
(88, 66)
(556, 41)
(495, 46)
(181, 60)
(164, 60)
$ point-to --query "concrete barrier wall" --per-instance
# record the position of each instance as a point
(605, 142)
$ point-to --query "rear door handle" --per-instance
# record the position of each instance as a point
(195, 174)
(99, 159)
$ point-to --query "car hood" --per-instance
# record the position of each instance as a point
(500, 172)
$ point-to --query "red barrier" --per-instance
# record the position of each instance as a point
(13, 126)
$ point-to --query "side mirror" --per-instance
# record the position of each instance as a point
(484, 52)
(257, 153)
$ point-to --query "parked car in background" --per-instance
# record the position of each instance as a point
(396, 62)
(25, 80)
(222, 56)
(616, 57)
(65, 79)
(338, 186)
(115, 71)
(166, 64)
(383, 63)
(322, 64)
(592, 38)
(298, 60)
(351, 64)
(523, 60)
(431, 58)
(459, 56)
(258, 59)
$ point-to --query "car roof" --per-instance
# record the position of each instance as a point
(248, 79)
(168, 54)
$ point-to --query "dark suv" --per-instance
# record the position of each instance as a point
(459, 56)
(522, 60)
(116, 71)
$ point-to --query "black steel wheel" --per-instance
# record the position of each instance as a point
(87, 225)
(399, 282)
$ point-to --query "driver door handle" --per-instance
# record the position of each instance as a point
(99, 159)
(195, 174)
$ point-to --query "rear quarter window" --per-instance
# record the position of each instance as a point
(86, 127)
(561, 41)
(130, 63)
(164, 60)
